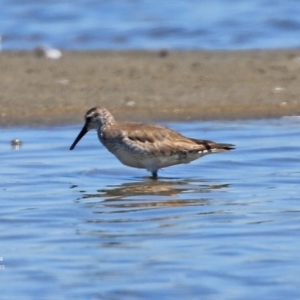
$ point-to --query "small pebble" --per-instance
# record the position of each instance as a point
(130, 103)
(164, 52)
(16, 143)
(63, 81)
(278, 89)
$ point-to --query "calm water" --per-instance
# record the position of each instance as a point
(141, 24)
(79, 225)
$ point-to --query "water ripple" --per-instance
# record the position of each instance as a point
(225, 226)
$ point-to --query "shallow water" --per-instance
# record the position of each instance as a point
(140, 24)
(79, 225)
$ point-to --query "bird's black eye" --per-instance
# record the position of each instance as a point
(88, 119)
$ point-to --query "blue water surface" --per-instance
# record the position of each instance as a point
(80, 225)
(141, 24)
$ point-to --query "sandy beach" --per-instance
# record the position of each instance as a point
(148, 86)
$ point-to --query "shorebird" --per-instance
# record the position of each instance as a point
(145, 146)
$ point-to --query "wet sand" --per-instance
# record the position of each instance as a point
(148, 86)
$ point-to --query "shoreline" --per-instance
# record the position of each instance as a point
(149, 86)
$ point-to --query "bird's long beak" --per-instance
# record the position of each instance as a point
(83, 131)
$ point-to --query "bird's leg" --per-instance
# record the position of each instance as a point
(154, 175)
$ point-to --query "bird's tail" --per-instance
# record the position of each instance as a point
(215, 147)
(218, 147)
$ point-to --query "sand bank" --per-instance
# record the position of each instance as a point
(146, 86)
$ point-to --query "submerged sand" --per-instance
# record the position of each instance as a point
(148, 86)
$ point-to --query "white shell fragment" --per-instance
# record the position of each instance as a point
(48, 52)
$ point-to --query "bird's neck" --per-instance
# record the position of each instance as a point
(107, 119)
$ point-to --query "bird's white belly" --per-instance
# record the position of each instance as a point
(155, 162)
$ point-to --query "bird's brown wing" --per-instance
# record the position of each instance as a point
(159, 140)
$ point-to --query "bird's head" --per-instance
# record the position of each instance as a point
(95, 118)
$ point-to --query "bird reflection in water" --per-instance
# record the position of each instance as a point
(153, 193)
